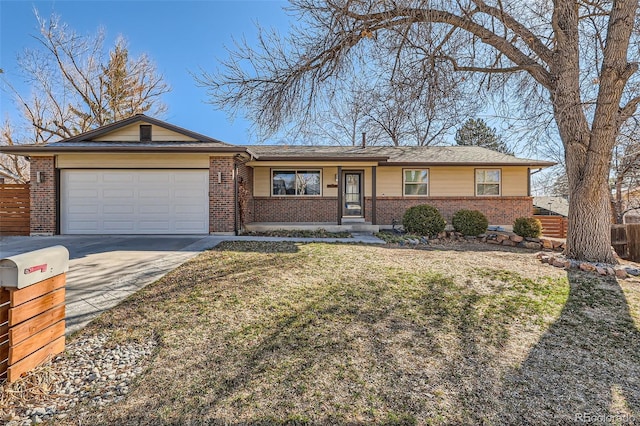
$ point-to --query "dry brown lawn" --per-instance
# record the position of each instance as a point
(285, 333)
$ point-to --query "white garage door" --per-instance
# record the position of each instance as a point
(134, 202)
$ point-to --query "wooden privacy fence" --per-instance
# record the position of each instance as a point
(553, 226)
(625, 240)
(32, 309)
(619, 240)
(15, 209)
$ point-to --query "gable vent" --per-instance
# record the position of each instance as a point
(145, 133)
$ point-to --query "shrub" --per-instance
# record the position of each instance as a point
(470, 222)
(527, 227)
(423, 220)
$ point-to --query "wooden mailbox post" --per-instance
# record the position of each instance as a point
(32, 309)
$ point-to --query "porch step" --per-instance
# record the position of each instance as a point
(350, 220)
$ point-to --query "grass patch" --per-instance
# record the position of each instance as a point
(296, 334)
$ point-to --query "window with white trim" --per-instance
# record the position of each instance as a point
(416, 182)
(295, 182)
(488, 181)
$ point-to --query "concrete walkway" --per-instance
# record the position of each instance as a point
(104, 270)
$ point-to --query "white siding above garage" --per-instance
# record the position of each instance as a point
(134, 201)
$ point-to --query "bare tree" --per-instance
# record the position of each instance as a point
(625, 172)
(12, 167)
(573, 57)
(77, 85)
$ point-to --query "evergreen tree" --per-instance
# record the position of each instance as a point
(477, 133)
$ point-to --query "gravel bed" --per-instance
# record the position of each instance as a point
(90, 372)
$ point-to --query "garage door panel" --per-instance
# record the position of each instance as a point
(83, 178)
(157, 210)
(117, 177)
(155, 226)
(188, 179)
(134, 201)
(190, 210)
(84, 225)
(124, 226)
(83, 209)
(85, 193)
(154, 193)
(118, 193)
(155, 178)
(118, 209)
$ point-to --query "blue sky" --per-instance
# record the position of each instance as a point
(180, 36)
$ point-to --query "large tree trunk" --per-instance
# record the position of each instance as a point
(588, 148)
(589, 234)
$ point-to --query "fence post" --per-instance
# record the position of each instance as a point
(32, 309)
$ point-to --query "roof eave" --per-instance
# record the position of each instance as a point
(466, 163)
(317, 158)
(26, 150)
(91, 134)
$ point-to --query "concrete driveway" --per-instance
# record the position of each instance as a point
(104, 270)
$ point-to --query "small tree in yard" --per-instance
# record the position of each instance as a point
(571, 64)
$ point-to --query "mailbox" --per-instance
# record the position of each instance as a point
(23, 270)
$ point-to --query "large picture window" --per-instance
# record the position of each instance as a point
(487, 181)
(416, 182)
(295, 182)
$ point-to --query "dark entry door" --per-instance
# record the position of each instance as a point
(352, 192)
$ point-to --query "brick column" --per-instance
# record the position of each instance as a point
(43, 196)
(221, 195)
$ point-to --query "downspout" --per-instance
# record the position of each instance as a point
(530, 173)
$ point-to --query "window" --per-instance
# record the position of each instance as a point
(296, 182)
(145, 133)
(416, 182)
(487, 181)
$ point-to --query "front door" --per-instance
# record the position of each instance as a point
(352, 192)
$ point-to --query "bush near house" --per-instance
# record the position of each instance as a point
(423, 220)
(527, 227)
(470, 222)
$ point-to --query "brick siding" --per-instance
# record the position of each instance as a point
(295, 209)
(43, 196)
(221, 195)
(498, 210)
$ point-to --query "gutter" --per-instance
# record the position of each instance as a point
(24, 150)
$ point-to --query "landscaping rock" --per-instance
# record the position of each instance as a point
(621, 273)
(632, 271)
(516, 238)
(501, 237)
(79, 380)
(531, 245)
(509, 243)
(559, 263)
(587, 267)
(548, 244)
(600, 270)
(532, 239)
